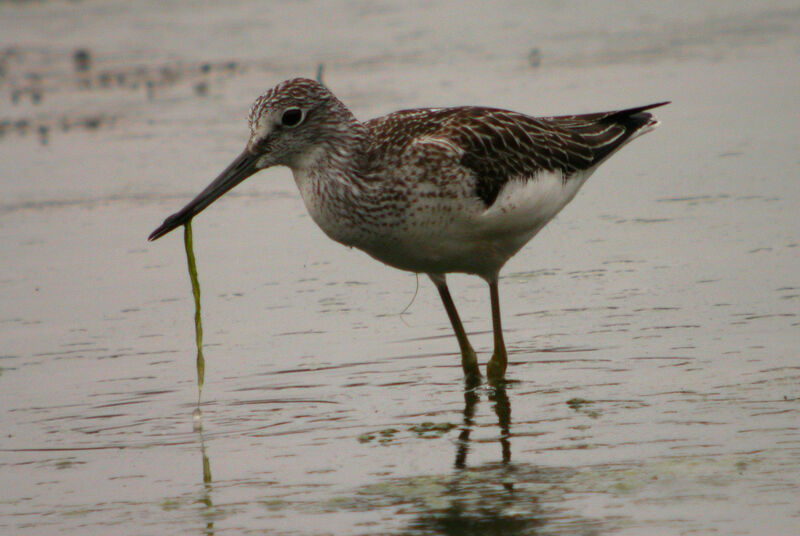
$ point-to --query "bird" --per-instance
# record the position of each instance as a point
(428, 190)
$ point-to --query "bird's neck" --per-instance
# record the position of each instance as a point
(339, 146)
(332, 182)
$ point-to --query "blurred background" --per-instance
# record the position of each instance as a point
(652, 327)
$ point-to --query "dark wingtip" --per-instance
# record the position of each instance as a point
(656, 105)
(632, 112)
(646, 107)
(634, 119)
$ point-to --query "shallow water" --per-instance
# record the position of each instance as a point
(653, 326)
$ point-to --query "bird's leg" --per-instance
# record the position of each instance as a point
(496, 369)
(469, 361)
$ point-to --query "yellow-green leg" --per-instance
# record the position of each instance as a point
(469, 361)
(496, 369)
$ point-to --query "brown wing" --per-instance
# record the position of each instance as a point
(500, 145)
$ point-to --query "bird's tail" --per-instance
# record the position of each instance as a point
(636, 121)
(606, 132)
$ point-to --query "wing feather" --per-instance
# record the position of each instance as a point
(499, 145)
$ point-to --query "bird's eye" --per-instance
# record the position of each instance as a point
(292, 117)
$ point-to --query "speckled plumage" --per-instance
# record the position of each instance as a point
(435, 190)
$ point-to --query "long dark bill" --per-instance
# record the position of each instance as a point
(239, 170)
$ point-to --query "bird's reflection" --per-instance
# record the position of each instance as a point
(482, 500)
(502, 408)
(470, 401)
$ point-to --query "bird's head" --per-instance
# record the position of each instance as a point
(291, 125)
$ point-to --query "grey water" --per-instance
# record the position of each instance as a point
(652, 327)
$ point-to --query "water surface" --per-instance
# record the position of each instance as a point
(652, 327)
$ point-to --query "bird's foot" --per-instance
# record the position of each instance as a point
(469, 362)
(496, 368)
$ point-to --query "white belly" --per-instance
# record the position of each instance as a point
(461, 235)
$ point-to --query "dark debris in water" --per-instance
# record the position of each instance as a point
(493, 499)
(44, 127)
(581, 405)
(524, 499)
(578, 403)
(429, 429)
(425, 430)
(31, 77)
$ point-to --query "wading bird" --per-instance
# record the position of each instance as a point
(430, 190)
